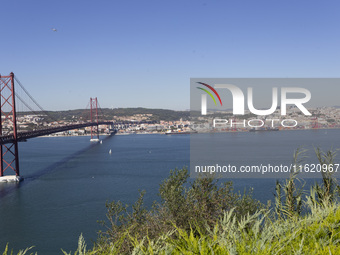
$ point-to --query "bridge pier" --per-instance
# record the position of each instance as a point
(9, 156)
(10, 178)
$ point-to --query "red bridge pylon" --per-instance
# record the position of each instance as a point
(8, 152)
(94, 118)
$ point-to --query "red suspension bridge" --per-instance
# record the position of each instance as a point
(10, 135)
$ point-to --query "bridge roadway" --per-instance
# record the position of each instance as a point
(22, 136)
(35, 133)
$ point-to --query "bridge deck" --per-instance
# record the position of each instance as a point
(35, 133)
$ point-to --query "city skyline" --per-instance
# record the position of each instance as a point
(143, 54)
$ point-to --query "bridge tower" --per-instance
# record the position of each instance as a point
(9, 158)
(94, 118)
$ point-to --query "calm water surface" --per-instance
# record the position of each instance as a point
(68, 180)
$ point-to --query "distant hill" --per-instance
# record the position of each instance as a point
(107, 114)
(157, 114)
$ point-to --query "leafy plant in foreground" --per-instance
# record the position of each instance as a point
(186, 205)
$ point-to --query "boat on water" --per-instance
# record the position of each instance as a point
(179, 132)
(263, 129)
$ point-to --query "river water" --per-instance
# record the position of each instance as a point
(68, 180)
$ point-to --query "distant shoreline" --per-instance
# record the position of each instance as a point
(162, 133)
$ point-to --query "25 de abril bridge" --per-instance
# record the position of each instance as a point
(11, 133)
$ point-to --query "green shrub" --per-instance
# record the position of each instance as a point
(199, 203)
(315, 233)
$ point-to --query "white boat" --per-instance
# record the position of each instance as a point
(110, 151)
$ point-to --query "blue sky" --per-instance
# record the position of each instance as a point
(143, 53)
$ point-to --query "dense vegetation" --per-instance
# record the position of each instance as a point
(206, 216)
(157, 114)
(107, 114)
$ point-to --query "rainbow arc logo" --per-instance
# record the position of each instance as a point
(209, 93)
(204, 97)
